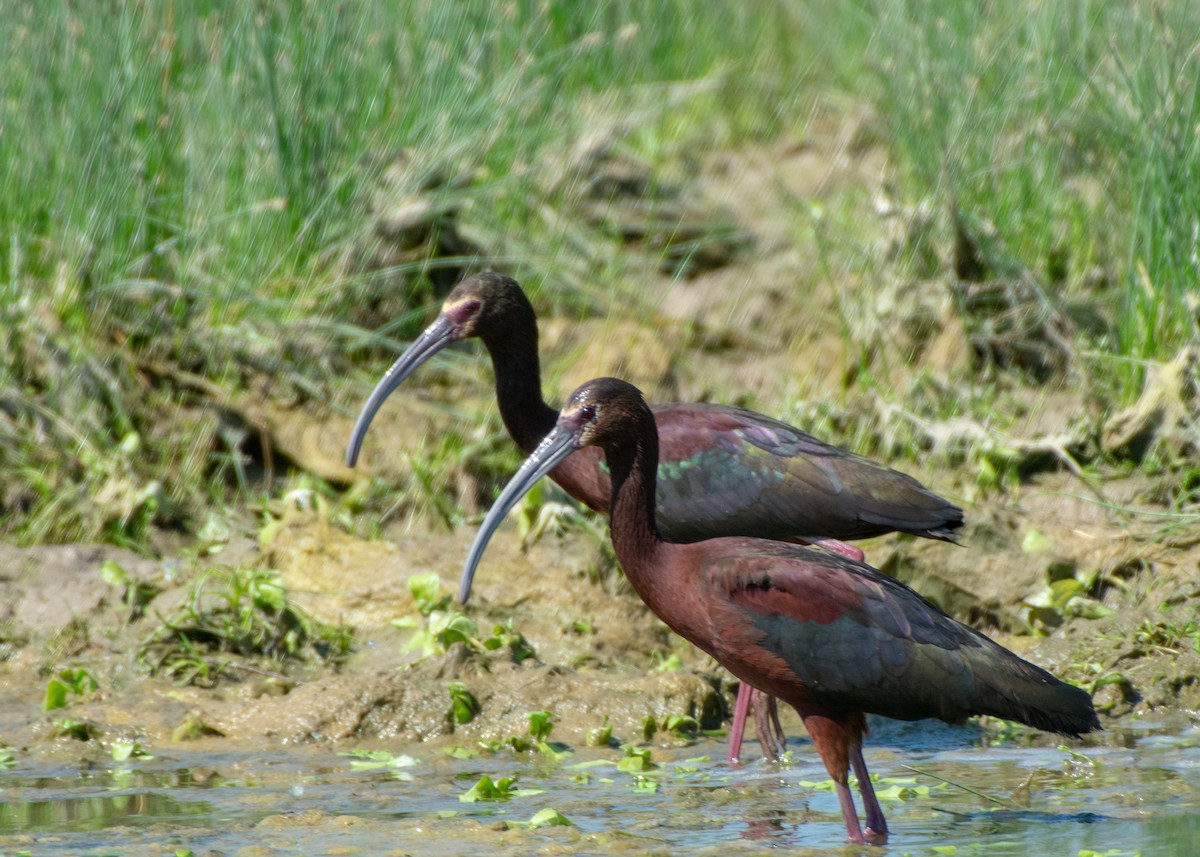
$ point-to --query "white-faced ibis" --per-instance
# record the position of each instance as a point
(723, 471)
(829, 635)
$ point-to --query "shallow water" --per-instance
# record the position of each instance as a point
(1138, 793)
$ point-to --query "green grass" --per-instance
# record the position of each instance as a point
(233, 620)
(186, 190)
(1070, 127)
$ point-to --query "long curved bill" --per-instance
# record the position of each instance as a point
(556, 446)
(435, 337)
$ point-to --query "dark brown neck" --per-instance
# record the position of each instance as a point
(519, 381)
(633, 466)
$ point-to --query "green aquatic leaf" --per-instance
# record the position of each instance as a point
(1088, 608)
(899, 792)
(123, 751)
(681, 724)
(113, 574)
(550, 818)
(823, 786)
(460, 752)
(488, 789)
(69, 681)
(644, 785)
(268, 592)
(601, 736)
(457, 628)
(1079, 757)
(592, 763)
(671, 663)
(1036, 542)
(506, 635)
(56, 695)
(555, 751)
(582, 626)
(636, 761)
(77, 729)
(441, 629)
(372, 760)
(540, 725)
(542, 818)
(463, 704)
(426, 592)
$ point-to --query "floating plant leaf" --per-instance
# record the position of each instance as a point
(488, 789)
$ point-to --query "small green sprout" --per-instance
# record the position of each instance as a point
(427, 593)
(8, 757)
(636, 760)
(671, 664)
(463, 704)
(591, 763)
(192, 728)
(601, 736)
(78, 729)
(233, 613)
(821, 786)
(375, 760)
(518, 743)
(644, 785)
(902, 792)
(457, 629)
(1036, 541)
(443, 629)
(123, 751)
(542, 818)
(462, 753)
(540, 725)
(79, 682)
(553, 751)
(681, 725)
(506, 635)
(1066, 596)
(582, 627)
(137, 593)
(495, 790)
(1076, 756)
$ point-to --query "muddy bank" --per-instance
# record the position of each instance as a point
(1121, 624)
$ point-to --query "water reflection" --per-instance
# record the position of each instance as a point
(63, 813)
(941, 790)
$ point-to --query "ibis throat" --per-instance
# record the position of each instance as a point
(634, 532)
(519, 383)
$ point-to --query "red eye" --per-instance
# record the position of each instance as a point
(462, 311)
(588, 412)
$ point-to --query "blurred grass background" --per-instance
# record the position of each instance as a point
(184, 187)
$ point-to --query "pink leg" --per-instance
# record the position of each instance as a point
(834, 546)
(838, 737)
(877, 830)
(767, 725)
(849, 814)
(740, 709)
(779, 733)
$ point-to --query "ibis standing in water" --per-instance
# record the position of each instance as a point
(830, 636)
(723, 471)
